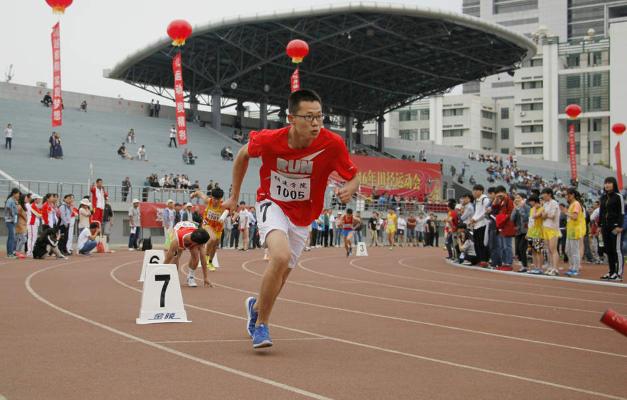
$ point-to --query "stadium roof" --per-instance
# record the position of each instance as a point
(365, 58)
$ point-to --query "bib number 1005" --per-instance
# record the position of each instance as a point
(291, 194)
(283, 188)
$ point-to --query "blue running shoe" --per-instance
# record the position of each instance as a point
(261, 338)
(252, 316)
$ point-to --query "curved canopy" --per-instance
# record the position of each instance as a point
(365, 58)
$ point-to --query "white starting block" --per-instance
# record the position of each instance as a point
(151, 257)
(362, 250)
(162, 300)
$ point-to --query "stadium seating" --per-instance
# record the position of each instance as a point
(93, 138)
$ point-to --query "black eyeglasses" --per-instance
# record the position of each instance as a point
(310, 118)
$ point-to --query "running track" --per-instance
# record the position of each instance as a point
(395, 325)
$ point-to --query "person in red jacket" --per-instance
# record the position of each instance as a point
(98, 197)
(506, 228)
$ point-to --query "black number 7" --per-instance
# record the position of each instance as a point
(264, 209)
(166, 281)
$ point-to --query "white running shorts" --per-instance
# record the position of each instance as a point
(270, 217)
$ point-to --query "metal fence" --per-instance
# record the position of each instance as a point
(117, 193)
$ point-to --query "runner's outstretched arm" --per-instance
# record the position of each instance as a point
(240, 166)
(345, 193)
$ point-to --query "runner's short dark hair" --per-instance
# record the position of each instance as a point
(200, 236)
(217, 193)
(293, 102)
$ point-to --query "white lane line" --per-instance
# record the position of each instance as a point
(504, 281)
(432, 324)
(390, 351)
(166, 349)
(237, 340)
(353, 263)
(489, 300)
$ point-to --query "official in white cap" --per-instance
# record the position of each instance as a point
(134, 222)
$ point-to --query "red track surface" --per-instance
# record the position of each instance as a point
(399, 324)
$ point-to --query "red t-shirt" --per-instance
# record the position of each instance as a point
(296, 179)
(454, 220)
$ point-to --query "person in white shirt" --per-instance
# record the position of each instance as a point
(244, 220)
(8, 136)
(172, 137)
(479, 222)
(401, 227)
(421, 222)
(168, 216)
(141, 153)
(551, 229)
(87, 239)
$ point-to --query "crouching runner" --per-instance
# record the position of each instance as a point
(187, 236)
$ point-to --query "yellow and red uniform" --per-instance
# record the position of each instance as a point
(211, 217)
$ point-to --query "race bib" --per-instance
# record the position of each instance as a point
(289, 189)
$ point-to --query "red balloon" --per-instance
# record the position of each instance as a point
(573, 111)
(179, 30)
(297, 49)
(59, 6)
(618, 128)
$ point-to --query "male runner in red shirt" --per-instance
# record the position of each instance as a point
(296, 163)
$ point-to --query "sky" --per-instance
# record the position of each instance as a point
(98, 34)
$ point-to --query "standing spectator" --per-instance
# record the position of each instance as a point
(66, 219)
(188, 213)
(575, 231)
(331, 226)
(226, 234)
(401, 228)
(84, 214)
(34, 220)
(506, 228)
(234, 242)
(152, 108)
(550, 229)
(107, 220)
(357, 227)
(98, 199)
(8, 136)
(325, 228)
(21, 230)
(421, 223)
(141, 153)
(411, 230)
(49, 211)
(611, 222)
(372, 229)
(126, 188)
(134, 223)
(172, 137)
(468, 210)
(452, 220)
(479, 221)
(87, 239)
(168, 216)
(337, 227)
(244, 221)
(157, 109)
(130, 137)
(10, 219)
(178, 213)
(252, 228)
(84, 106)
(520, 216)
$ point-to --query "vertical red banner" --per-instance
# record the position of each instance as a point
(179, 97)
(295, 81)
(572, 151)
(619, 166)
(57, 101)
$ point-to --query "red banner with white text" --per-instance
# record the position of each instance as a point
(295, 81)
(572, 151)
(403, 178)
(57, 101)
(179, 97)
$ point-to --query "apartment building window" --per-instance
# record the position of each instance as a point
(531, 150)
(487, 135)
(424, 115)
(508, 6)
(531, 128)
(504, 113)
(453, 133)
(504, 133)
(532, 85)
(573, 81)
(486, 114)
(595, 124)
(595, 103)
(596, 58)
(597, 147)
(596, 80)
(453, 112)
(572, 60)
(408, 115)
(424, 134)
(536, 62)
(531, 107)
(408, 134)
(573, 100)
